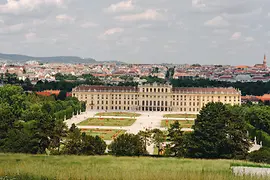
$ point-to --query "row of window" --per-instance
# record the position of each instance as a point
(158, 90)
(113, 108)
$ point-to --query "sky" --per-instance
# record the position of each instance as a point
(235, 32)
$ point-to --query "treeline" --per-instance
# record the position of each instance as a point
(247, 88)
(30, 123)
(220, 131)
(67, 82)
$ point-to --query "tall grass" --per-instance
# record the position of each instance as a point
(109, 167)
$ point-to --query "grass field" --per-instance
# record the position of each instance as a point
(184, 123)
(107, 122)
(116, 168)
(179, 115)
(123, 114)
(106, 134)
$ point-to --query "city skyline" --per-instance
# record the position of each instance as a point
(136, 31)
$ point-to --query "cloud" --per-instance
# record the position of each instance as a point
(251, 13)
(149, 14)
(20, 6)
(113, 31)
(220, 31)
(236, 36)
(198, 4)
(217, 22)
(121, 6)
(64, 18)
(88, 25)
(249, 39)
(15, 28)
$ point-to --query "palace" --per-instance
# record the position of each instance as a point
(153, 97)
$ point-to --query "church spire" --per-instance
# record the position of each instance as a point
(264, 61)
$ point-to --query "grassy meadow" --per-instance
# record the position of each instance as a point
(183, 123)
(180, 116)
(23, 166)
(121, 114)
(105, 134)
(107, 122)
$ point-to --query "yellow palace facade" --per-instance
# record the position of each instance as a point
(153, 97)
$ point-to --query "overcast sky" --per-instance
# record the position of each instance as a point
(139, 31)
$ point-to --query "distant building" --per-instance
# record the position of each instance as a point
(154, 97)
(263, 65)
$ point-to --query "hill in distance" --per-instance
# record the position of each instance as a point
(17, 58)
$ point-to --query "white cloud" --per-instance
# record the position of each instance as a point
(249, 39)
(110, 32)
(31, 37)
(198, 4)
(121, 6)
(20, 6)
(149, 14)
(236, 36)
(64, 18)
(217, 22)
(12, 29)
(88, 25)
(113, 31)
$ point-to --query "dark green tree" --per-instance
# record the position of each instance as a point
(127, 145)
(73, 144)
(175, 136)
(219, 132)
(92, 145)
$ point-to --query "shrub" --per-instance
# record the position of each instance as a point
(127, 145)
(260, 156)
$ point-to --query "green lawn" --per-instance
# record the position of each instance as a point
(107, 122)
(184, 123)
(123, 114)
(117, 168)
(106, 134)
(179, 115)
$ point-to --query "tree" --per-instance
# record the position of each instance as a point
(219, 132)
(175, 136)
(92, 145)
(158, 138)
(127, 145)
(73, 143)
(62, 95)
(145, 137)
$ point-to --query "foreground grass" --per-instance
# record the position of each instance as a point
(183, 123)
(107, 122)
(123, 114)
(109, 167)
(105, 134)
(180, 116)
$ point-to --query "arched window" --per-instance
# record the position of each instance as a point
(143, 103)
